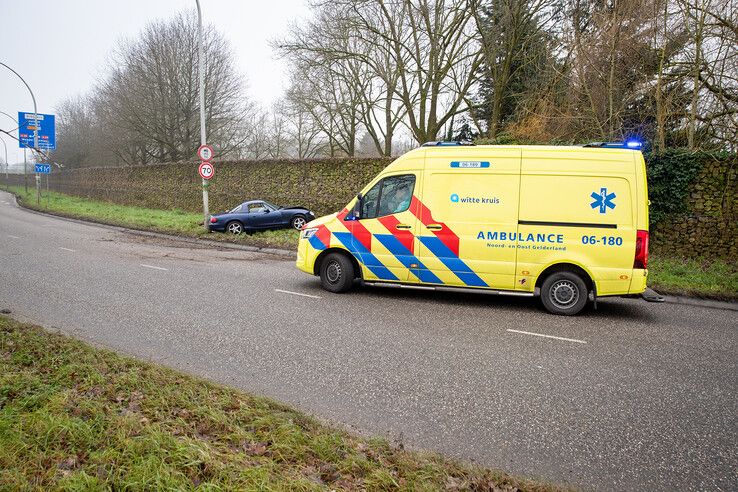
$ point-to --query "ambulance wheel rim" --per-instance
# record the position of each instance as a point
(333, 272)
(564, 293)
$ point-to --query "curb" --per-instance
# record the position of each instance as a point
(705, 303)
(184, 239)
(670, 299)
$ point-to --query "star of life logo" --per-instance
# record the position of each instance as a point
(603, 200)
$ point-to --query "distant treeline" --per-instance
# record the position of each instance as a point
(374, 78)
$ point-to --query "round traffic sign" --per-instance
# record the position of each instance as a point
(206, 170)
(205, 152)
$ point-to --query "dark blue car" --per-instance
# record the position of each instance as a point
(257, 215)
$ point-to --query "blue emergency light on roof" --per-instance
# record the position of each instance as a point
(630, 144)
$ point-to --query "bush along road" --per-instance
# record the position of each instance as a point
(706, 278)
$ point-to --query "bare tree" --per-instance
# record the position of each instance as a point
(412, 61)
(305, 132)
(435, 47)
(151, 93)
(517, 52)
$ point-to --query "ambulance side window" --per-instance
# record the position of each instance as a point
(390, 196)
(370, 201)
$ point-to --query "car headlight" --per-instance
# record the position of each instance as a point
(308, 233)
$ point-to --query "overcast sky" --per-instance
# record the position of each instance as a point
(60, 46)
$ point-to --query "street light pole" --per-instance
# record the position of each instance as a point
(203, 135)
(35, 129)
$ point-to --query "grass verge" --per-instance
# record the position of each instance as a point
(694, 277)
(75, 417)
(175, 222)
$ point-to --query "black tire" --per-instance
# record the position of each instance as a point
(564, 293)
(234, 227)
(298, 221)
(336, 273)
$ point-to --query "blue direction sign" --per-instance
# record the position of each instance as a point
(43, 168)
(46, 130)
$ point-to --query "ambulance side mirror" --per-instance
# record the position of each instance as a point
(356, 212)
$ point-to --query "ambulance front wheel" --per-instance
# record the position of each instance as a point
(564, 293)
(336, 273)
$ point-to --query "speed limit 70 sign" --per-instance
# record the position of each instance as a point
(206, 170)
(205, 153)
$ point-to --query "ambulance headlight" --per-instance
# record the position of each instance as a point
(308, 233)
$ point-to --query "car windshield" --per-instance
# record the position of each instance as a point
(271, 205)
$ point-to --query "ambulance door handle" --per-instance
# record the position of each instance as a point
(434, 227)
(403, 226)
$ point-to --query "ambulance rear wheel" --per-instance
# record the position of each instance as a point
(336, 273)
(564, 293)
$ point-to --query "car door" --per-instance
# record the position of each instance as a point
(273, 217)
(469, 218)
(258, 215)
(383, 232)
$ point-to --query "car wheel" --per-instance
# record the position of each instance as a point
(564, 293)
(234, 227)
(298, 221)
(336, 273)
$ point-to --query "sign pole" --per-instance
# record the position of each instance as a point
(25, 170)
(38, 183)
(203, 139)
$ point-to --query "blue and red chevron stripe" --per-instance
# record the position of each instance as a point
(401, 244)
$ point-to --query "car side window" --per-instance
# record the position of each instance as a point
(256, 208)
(392, 195)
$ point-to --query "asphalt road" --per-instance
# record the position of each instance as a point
(641, 395)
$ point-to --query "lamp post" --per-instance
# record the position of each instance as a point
(35, 125)
(201, 84)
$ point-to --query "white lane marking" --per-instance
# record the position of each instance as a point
(13, 237)
(548, 336)
(67, 249)
(297, 293)
(154, 267)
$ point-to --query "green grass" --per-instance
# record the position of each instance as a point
(712, 279)
(695, 277)
(167, 221)
(74, 417)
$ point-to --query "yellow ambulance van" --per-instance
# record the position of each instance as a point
(568, 224)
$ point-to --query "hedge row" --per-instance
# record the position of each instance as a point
(694, 196)
(694, 203)
(321, 185)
